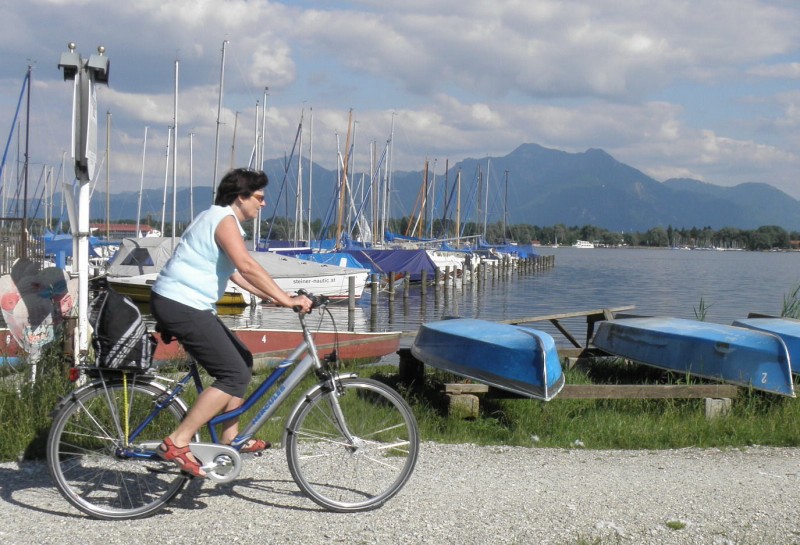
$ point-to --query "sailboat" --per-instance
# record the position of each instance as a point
(135, 266)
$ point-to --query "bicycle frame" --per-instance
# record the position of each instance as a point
(301, 369)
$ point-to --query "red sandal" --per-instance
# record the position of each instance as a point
(255, 445)
(180, 457)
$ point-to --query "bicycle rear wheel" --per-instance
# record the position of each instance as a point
(347, 475)
(92, 463)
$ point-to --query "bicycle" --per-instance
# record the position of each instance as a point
(351, 443)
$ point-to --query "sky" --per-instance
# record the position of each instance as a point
(705, 89)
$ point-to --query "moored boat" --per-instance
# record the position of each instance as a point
(272, 345)
(514, 358)
(714, 351)
(138, 289)
(134, 269)
(268, 345)
(293, 274)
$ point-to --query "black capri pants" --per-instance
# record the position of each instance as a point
(203, 335)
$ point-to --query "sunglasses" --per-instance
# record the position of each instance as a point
(259, 198)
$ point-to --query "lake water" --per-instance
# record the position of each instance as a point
(657, 282)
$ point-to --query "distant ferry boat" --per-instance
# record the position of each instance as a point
(583, 244)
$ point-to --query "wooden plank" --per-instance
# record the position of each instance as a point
(619, 391)
(564, 315)
(466, 388)
(647, 391)
(566, 333)
(592, 317)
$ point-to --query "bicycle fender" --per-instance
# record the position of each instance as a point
(70, 397)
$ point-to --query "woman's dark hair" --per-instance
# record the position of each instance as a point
(239, 181)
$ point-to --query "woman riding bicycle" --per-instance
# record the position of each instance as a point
(211, 252)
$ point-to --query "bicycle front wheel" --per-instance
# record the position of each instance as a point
(93, 464)
(355, 458)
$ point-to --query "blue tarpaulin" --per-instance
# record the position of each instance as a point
(340, 259)
(384, 262)
(57, 243)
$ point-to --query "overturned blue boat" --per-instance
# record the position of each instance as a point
(787, 329)
(735, 355)
(514, 358)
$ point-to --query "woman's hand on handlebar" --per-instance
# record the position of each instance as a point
(302, 304)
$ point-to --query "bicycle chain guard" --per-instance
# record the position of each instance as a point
(222, 463)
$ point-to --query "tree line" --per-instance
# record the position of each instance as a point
(768, 237)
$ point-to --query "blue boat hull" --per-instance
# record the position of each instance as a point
(513, 358)
(11, 361)
(719, 352)
(785, 328)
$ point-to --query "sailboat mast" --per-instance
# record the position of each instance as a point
(446, 198)
(375, 193)
(486, 203)
(166, 178)
(298, 208)
(310, 169)
(343, 182)
(141, 185)
(191, 177)
(423, 205)
(387, 203)
(458, 208)
(233, 142)
(108, 175)
(260, 165)
(254, 159)
(505, 208)
(24, 246)
(432, 206)
(219, 113)
(175, 160)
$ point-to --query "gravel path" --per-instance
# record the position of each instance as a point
(459, 494)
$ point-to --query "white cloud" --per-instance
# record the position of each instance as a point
(465, 78)
(784, 70)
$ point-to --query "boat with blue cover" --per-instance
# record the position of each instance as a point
(735, 355)
(787, 329)
(514, 358)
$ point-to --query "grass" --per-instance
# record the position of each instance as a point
(26, 406)
(675, 524)
(755, 418)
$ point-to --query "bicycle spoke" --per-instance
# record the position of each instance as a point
(365, 469)
(85, 459)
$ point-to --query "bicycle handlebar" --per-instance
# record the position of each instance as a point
(316, 300)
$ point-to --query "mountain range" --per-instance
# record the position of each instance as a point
(532, 184)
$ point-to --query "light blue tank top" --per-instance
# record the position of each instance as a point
(198, 271)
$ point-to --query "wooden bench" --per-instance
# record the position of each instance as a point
(592, 317)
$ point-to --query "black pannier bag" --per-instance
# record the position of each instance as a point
(120, 339)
